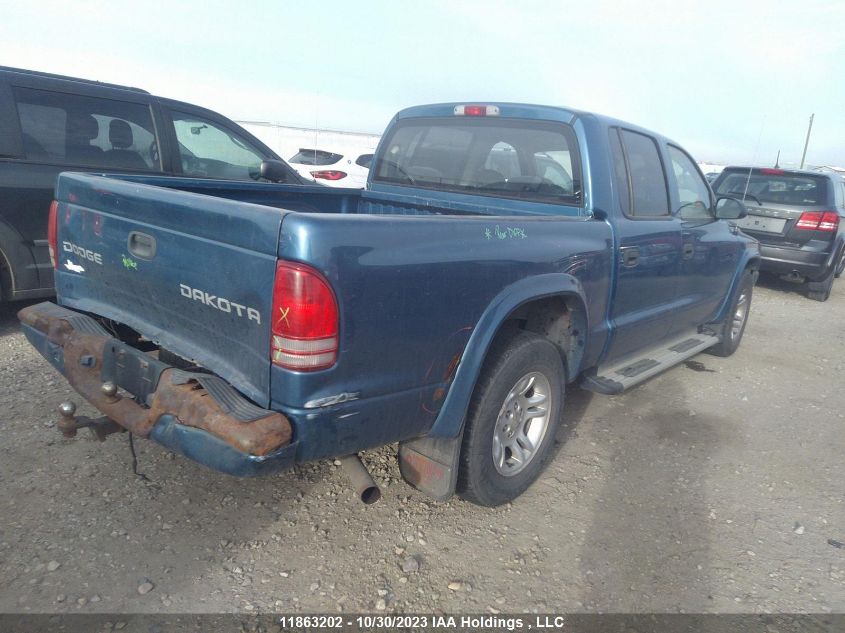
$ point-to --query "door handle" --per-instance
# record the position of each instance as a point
(141, 245)
(689, 250)
(630, 256)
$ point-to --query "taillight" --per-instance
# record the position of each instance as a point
(52, 230)
(818, 221)
(304, 325)
(829, 221)
(329, 174)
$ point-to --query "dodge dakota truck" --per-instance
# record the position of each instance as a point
(499, 252)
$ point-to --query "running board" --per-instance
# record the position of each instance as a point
(621, 375)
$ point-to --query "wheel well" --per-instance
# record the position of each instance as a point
(6, 277)
(561, 319)
(753, 266)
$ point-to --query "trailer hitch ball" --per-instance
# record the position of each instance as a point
(67, 409)
(109, 389)
(67, 423)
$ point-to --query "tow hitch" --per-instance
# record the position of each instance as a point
(195, 414)
(69, 423)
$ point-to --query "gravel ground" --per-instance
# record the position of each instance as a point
(715, 487)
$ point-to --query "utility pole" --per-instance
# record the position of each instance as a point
(777, 161)
(807, 142)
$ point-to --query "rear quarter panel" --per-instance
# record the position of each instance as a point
(411, 292)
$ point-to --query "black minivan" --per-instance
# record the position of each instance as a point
(51, 123)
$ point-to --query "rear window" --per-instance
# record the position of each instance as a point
(774, 186)
(65, 128)
(507, 158)
(315, 157)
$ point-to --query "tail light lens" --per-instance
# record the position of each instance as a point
(52, 231)
(304, 325)
(329, 174)
(829, 221)
(818, 221)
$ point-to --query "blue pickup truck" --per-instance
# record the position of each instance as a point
(499, 252)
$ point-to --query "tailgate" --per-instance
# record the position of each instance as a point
(192, 273)
(770, 220)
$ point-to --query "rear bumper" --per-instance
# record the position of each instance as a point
(783, 260)
(196, 415)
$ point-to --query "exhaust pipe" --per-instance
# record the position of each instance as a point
(361, 480)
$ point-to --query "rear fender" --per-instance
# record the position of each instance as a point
(18, 257)
(836, 252)
(430, 463)
(449, 422)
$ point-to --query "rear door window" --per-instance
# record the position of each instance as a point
(649, 195)
(620, 172)
(78, 130)
(507, 158)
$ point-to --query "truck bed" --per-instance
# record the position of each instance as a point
(405, 270)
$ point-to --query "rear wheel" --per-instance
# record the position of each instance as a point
(513, 418)
(820, 290)
(840, 268)
(734, 326)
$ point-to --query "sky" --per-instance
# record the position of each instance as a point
(733, 82)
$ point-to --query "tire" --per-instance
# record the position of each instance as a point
(734, 326)
(522, 375)
(820, 290)
(841, 267)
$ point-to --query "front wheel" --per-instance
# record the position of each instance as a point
(734, 326)
(513, 418)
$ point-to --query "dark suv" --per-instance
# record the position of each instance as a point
(50, 123)
(797, 217)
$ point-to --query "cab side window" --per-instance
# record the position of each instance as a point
(210, 150)
(692, 189)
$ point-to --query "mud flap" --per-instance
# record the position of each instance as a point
(430, 464)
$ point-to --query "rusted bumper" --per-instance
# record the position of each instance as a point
(195, 414)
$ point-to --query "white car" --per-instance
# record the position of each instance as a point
(333, 169)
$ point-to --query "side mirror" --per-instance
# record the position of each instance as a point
(730, 209)
(273, 170)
